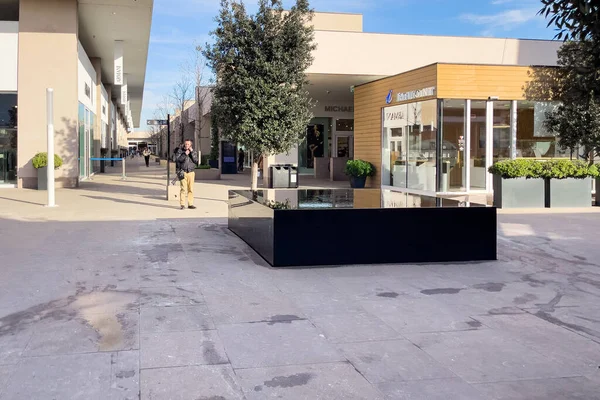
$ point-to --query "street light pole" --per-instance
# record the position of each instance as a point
(168, 153)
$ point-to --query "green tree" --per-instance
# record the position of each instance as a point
(260, 100)
(574, 19)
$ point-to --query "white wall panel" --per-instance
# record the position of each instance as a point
(9, 49)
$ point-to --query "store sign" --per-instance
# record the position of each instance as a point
(118, 60)
(389, 97)
(394, 116)
(124, 92)
(342, 109)
(415, 94)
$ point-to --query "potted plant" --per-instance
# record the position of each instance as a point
(568, 183)
(358, 171)
(40, 162)
(518, 184)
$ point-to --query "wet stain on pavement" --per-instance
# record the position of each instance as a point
(160, 252)
(505, 311)
(283, 319)
(212, 398)
(490, 286)
(524, 299)
(391, 295)
(300, 379)
(210, 354)
(125, 374)
(474, 324)
(430, 292)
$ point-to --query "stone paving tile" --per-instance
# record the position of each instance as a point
(321, 381)
(6, 372)
(73, 377)
(170, 296)
(393, 360)
(355, 327)
(193, 382)
(250, 307)
(276, 343)
(325, 303)
(408, 314)
(125, 376)
(175, 319)
(175, 349)
(89, 333)
(556, 342)
(431, 389)
(577, 388)
(307, 283)
(480, 356)
(12, 344)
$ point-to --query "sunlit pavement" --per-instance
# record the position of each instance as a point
(118, 294)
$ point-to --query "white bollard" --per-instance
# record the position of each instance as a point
(50, 125)
(123, 177)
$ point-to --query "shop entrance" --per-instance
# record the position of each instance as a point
(317, 144)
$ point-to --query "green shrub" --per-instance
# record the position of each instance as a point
(359, 168)
(552, 169)
(203, 166)
(40, 160)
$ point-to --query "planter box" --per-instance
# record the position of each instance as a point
(518, 192)
(568, 192)
(286, 237)
(207, 174)
(42, 175)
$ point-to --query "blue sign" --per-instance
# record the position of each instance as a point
(388, 99)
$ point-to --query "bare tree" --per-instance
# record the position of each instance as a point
(201, 77)
(181, 97)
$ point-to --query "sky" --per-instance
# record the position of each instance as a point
(179, 25)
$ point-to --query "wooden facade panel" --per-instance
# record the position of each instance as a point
(370, 99)
(482, 81)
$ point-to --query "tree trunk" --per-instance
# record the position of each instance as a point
(254, 184)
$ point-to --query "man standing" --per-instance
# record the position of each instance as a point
(241, 157)
(147, 156)
(186, 160)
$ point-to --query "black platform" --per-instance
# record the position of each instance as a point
(363, 226)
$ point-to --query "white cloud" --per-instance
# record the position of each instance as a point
(505, 20)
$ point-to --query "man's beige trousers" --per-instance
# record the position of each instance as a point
(187, 186)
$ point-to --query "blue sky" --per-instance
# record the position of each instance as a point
(180, 24)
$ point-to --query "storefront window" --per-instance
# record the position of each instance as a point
(344, 125)
(533, 140)
(501, 127)
(8, 138)
(478, 145)
(421, 134)
(453, 170)
(409, 145)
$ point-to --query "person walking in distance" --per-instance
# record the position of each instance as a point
(147, 156)
(186, 160)
(241, 157)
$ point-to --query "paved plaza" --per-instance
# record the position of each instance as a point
(118, 294)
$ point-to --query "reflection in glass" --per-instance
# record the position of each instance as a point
(478, 145)
(421, 132)
(533, 140)
(453, 168)
(8, 138)
(501, 127)
(394, 155)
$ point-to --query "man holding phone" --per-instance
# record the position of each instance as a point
(186, 160)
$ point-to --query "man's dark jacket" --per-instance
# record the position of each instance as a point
(185, 162)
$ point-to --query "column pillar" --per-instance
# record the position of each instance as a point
(47, 59)
(97, 64)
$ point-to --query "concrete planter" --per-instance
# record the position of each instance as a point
(207, 174)
(518, 193)
(42, 178)
(568, 192)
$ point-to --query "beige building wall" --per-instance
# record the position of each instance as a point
(386, 54)
(323, 21)
(97, 63)
(47, 58)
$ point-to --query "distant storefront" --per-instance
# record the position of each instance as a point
(438, 128)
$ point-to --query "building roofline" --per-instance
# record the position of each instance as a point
(438, 36)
